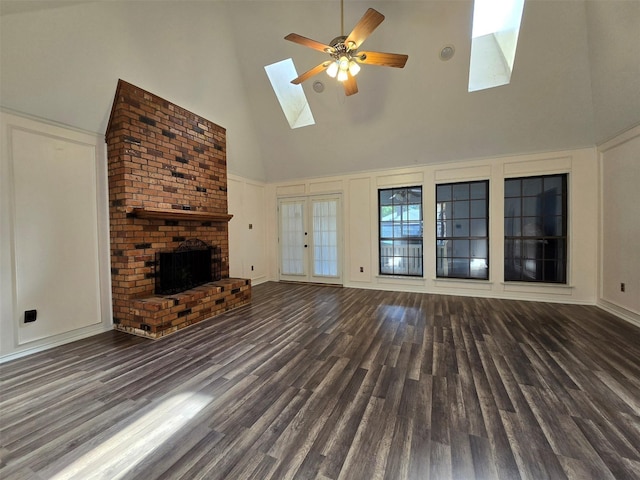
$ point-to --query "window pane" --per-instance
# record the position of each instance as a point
(459, 267)
(461, 228)
(446, 210)
(461, 248)
(415, 212)
(479, 190)
(478, 209)
(478, 228)
(461, 191)
(479, 268)
(553, 184)
(530, 206)
(461, 209)
(479, 249)
(558, 207)
(292, 227)
(531, 226)
(442, 267)
(325, 238)
(552, 226)
(386, 229)
(531, 249)
(444, 229)
(512, 188)
(443, 193)
(554, 249)
(512, 207)
(531, 186)
(512, 226)
(445, 248)
(414, 195)
(512, 248)
(386, 197)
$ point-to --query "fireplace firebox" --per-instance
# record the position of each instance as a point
(193, 263)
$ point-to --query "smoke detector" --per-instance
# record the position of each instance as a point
(447, 52)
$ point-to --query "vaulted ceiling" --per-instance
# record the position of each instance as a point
(574, 84)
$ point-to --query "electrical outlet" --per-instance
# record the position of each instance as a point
(30, 316)
(622, 287)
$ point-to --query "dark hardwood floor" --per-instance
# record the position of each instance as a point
(336, 383)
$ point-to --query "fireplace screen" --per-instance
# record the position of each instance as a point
(193, 263)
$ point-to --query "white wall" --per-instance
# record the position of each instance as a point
(54, 235)
(620, 225)
(255, 203)
(613, 29)
(63, 64)
(361, 228)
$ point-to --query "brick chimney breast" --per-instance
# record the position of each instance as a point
(167, 183)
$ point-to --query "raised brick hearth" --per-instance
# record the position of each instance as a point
(167, 184)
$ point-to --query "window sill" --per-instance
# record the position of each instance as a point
(546, 288)
(463, 283)
(462, 280)
(400, 277)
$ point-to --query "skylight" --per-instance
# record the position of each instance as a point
(291, 97)
(496, 25)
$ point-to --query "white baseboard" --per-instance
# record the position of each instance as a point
(56, 341)
(620, 311)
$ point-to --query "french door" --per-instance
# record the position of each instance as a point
(310, 239)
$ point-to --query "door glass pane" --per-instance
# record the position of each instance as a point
(325, 238)
(292, 238)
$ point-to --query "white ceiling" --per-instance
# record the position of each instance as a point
(575, 80)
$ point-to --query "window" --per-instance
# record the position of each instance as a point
(494, 39)
(462, 230)
(400, 211)
(535, 229)
(291, 97)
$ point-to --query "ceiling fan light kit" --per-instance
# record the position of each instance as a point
(345, 58)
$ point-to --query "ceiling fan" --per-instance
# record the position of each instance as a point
(343, 50)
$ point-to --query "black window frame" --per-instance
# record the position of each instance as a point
(443, 236)
(520, 250)
(408, 226)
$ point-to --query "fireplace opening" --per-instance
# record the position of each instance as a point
(193, 263)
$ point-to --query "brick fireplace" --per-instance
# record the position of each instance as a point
(167, 186)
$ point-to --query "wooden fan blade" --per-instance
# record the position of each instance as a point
(367, 24)
(350, 85)
(307, 42)
(310, 73)
(396, 60)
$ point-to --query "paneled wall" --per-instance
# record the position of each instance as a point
(620, 225)
(247, 229)
(53, 235)
(360, 241)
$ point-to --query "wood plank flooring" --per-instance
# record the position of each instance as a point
(314, 382)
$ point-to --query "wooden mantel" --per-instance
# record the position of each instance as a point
(174, 214)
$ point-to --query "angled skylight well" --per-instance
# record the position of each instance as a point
(494, 39)
(291, 97)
